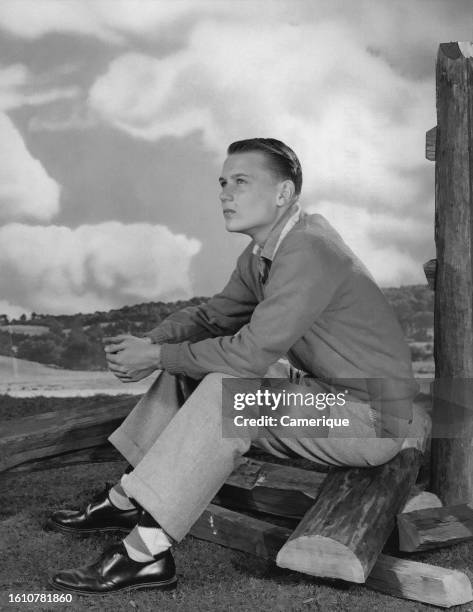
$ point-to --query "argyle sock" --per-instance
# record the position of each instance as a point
(119, 498)
(146, 540)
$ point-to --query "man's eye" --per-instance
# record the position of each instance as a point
(240, 181)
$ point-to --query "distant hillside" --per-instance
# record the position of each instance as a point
(75, 341)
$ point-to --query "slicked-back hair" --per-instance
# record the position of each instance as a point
(282, 160)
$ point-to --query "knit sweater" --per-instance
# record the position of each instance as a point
(318, 305)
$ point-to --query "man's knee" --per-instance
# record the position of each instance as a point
(382, 450)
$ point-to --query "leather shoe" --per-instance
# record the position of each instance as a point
(100, 515)
(115, 571)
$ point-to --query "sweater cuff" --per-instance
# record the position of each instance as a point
(157, 335)
(170, 360)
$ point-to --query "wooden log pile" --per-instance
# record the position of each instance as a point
(390, 575)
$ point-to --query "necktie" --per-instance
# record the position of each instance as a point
(264, 265)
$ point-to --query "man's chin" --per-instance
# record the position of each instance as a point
(232, 226)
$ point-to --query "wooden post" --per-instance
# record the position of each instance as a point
(452, 454)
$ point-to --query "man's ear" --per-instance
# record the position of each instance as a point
(286, 193)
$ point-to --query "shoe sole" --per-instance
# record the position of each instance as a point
(51, 526)
(164, 585)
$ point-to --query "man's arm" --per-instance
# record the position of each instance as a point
(304, 277)
(132, 359)
(224, 314)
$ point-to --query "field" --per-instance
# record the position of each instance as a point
(211, 578)
(22, 378)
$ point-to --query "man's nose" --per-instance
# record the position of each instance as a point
(226, 195)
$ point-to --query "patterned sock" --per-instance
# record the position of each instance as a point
(119, 498)
(146, 540)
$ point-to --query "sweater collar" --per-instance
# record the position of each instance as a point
(278, 233)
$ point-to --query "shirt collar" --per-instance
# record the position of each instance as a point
(278, 233)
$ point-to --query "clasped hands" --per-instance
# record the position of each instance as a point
(131, 358)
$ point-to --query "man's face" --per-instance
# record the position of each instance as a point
(249, 194)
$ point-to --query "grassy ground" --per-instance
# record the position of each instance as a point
(211, 578)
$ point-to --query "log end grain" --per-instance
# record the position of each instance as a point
(421, 500)
(320, 556)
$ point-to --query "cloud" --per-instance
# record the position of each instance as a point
(387, 245)
(402, 31)
(17, 88)
(32, 19)
(357, 125)
(59, 120)
(94, 267)
(340, 82)
(13, 311)
(26, 190)
(109, 20)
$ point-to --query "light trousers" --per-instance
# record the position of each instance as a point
(181, 459)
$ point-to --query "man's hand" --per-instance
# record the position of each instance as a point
(130, 358)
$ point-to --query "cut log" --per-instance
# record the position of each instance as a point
(52, 433)
(396, 577)
(438, 586)
(270, 488)
(343, 533)
(419, 500)
(435, 527)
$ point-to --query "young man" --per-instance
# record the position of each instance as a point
(298, 292)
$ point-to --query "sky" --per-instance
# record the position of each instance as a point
(115, 116)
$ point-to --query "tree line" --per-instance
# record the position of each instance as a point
(75, 341)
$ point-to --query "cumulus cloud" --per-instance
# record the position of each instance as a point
(26, 190)
(355, 122)
(119, 21)
(94, 267)
(338, 82)
(110, 20)
(18, 88)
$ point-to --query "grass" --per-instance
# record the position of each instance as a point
(211, 578)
